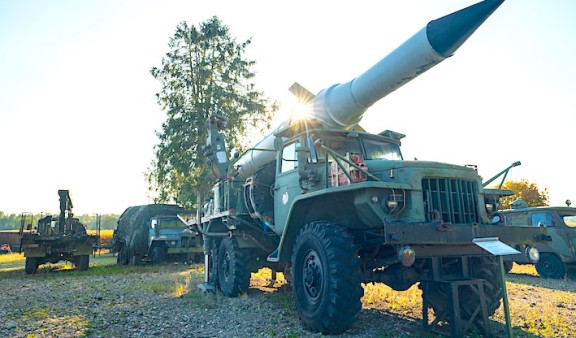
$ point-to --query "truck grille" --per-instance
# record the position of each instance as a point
(453, 200)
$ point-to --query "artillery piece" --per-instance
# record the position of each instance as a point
(332, 206)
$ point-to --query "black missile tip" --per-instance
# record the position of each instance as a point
(449, 32)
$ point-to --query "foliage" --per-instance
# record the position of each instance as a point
(526, 191)
(203, 73)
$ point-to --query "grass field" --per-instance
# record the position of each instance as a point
(538, 307)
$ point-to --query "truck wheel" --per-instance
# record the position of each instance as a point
(508, 266)
(135, 260)
(31, 265)
(482, 268)
(326, 278)
(550, 266)
(487, 269)
(158, 255)
(212, 269)
(123, 258)
(82, 262)
(233, 269)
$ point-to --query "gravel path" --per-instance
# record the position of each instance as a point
(164, 302)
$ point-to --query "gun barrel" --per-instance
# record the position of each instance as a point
(343, 105)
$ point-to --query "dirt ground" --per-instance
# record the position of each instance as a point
(146, 301)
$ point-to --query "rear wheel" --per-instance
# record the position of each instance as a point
(123, 258)
(31, 265)
(326, 278)
(135, 260)
(82, 262)
(550, 266)
(233, 269)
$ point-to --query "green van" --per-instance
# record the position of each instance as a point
(557, 255)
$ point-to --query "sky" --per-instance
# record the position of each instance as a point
(78, 109)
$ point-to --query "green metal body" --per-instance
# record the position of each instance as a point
(440, 208)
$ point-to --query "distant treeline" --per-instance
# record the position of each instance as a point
(12, 221)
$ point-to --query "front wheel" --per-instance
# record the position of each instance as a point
(484, 268)
(326, 278)
(550, 266)
(233, 269)
(508, 265)
(31, 265)
(158, 255)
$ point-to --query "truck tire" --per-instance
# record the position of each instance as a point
(82, 262)
(550, 266)
(31, 265)
(326, 278)
(123, 257)
(158, 255)
(135, 260)
(212, 268)
(487, 269)
(233, 269)
(508, 265)
(482, 268)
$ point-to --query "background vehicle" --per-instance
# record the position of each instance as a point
(559, 254)
(56, 239)
(333, 206)
(154, 232)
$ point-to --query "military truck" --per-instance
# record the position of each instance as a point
(333, 206)
(154, 233)
(55, 239)
(557, 256)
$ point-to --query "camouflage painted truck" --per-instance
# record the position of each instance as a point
(154, 233)
(55, 239)
(332, 206)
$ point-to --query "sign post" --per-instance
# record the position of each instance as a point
(499, 249)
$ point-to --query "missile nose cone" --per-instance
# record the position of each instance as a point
(449, 32)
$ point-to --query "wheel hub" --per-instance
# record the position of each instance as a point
(313, 276)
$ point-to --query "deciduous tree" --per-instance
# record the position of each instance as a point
(526, 191)
(204, 72)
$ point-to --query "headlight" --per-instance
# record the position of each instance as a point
(407, 255)
(533, 254)
(392, 203)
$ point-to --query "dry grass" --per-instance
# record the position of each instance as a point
(538, 307)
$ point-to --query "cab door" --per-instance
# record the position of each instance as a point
(556, 229)
(287, 186)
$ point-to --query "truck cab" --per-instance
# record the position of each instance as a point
(154, 233)
(168, 236)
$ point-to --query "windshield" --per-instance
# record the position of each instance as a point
(569, 219)
(369, 148)
(166, 223)
(377, 150)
